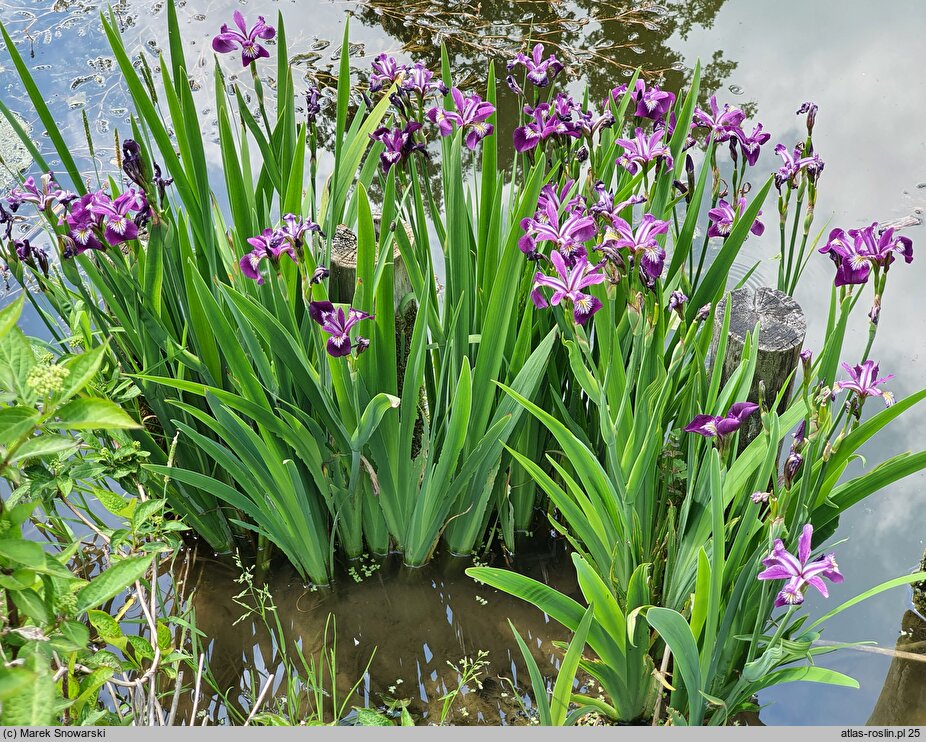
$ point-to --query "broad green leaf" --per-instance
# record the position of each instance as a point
(112, 582)
(141, 647)
(32, 705)
(16, 361)
(676, 633)
(76, 636)
(10, 314)
(81, 370)
(106, 626)
(371, 718)
(44, 445)
(18, 551)
(90, 413)
(371, 417)
(565, 676)
(13, 680)
(15, 422)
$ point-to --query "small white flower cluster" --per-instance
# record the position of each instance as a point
(47, 378)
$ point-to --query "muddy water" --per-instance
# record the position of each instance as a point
(412, 623)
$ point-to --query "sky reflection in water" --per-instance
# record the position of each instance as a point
(865, 76)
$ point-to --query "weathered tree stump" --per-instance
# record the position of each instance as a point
(781, 338)
(343, 278)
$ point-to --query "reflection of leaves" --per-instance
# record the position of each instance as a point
(601, 42)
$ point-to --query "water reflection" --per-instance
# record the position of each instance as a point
(871, 102)
(413, 623)
(903, 697)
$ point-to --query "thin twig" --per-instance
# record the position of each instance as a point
(116, 704)
(664, 666)
(260, 700)
(199, 677)
(83, 519)
(178, 687)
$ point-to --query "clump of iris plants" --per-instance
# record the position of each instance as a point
(542, 359)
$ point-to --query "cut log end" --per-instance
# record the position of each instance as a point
(343, 269)
(781, 336)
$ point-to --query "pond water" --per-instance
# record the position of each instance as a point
(411, 622)
(861, 70)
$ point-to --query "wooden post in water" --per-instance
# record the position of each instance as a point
(781, 338)
(343, 269)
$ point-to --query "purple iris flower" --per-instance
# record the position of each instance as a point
(35, 257)
(513, 85)
(6, 219)
(119, 227)
(723, 216)
(43, 195)
(752, 143)
(806, 359)
(565, 106)
(794, 163)
(550, 196)
(810, 108)
(714, 426)
(569, 285)
(856, 253)
(567, 232)
(133, 164)
(798, 570)
(319, 274)
(84, 226)
(723, 124)
(588, 124)
(470, 116)
(339, 325)
(270, 244)
(652, 102)
(791, 467)
(313, 105)
(546, 123)
(540, 71)
(399, 143)
(605, 206)
(647, 252)
(418, 78)
(295, 228)
(386, 70)
(864, 382)
(643, 149)
(677, 300)
(251, 50)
